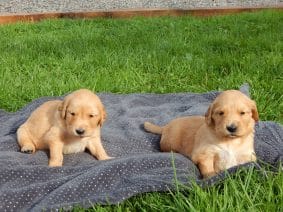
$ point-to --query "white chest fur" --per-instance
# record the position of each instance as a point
(231, 154)
(227, 158)
(75, 146)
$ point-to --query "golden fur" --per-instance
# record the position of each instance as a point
(65, 127)
(223, 138)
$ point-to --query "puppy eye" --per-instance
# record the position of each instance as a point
(221, 113)
(72, 114)
(242, 113)
(91, 116)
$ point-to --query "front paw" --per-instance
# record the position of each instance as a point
(55, 163)
(28, 149)
(208, 175)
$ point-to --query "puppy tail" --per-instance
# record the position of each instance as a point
(152, 128)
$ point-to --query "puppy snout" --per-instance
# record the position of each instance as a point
(80, 131)
(231, 128)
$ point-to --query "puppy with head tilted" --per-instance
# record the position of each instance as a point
(64, 127)
(223, 138)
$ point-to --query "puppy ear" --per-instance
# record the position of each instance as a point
(255, 115)
(103, 116)
(208, 115)
(63, 108)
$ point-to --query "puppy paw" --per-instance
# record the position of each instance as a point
(54, 164)
(208, 175)
(28, 149)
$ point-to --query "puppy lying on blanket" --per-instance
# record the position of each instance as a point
(218, 141)
(67, 126)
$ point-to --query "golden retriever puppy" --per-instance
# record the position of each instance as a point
(64, 127)
(223, 138)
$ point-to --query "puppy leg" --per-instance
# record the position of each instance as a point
(55, 145)
(56, 153)
(206, 165)
(25, 141)
(96, 149)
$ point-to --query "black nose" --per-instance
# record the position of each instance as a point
(232, 128)
(80, 131)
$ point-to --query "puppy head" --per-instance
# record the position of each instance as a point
(232, 114)
(83, 113)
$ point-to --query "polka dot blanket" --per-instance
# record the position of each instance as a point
(28, 184)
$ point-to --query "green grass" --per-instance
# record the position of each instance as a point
(160, 55)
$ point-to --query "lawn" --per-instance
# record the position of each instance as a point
(156, 55)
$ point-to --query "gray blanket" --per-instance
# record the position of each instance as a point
(27, 183)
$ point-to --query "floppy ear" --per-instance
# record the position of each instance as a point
(255, 115)
(63, 108)
(208, 115)
(103, 116)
